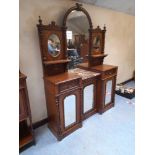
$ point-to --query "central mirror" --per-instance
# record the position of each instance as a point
(77, 35)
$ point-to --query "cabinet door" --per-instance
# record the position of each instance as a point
(109, 91)
(88, 98)
(69, 110)
(22, 104)
(70, 107)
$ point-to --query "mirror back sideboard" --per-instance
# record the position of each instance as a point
(73, 71)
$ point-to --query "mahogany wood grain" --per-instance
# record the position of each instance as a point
(60, 83)
(25, 129)
(108, 72)
(56, 89)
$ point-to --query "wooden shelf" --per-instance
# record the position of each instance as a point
(46, 63)
(23, 119)
(25, 134)
(99, 55)
(25, 140)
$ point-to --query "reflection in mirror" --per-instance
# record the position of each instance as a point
(88, 94)
(53, 45)
(77, 37)
(108, 92)
(96, 44)
(70, 110)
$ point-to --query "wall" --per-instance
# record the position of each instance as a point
(119, 43)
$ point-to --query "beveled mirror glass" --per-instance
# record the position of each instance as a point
(70, 110)
(88, 96)
(96, 44)
(53, 45)
(77, 37)
(108, 92)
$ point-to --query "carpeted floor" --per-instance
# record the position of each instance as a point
(111, 133)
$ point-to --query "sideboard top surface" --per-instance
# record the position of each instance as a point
(84, 74)
(103, 67)
(60, 78)
(71, 75)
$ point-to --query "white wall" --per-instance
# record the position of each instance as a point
(119, 43)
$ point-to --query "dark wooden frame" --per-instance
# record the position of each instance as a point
(56, 65)
(55, 94)
(107, 72)
(25, 119)
(52, 65)
(68, 84)
(78, 7)
(104, 107)
(98, 58)
(99, 32)
(78, 123)
(23, 109)
(44, 32)
(92, 60)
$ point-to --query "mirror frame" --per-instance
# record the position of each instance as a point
(44, 32)
(60, 63)
(78, 7)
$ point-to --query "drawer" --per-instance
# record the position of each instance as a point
(69, 85)
(90, 80)
(109, 73)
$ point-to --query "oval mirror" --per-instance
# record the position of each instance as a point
(77, 37)
(96, 44)
(53, 45)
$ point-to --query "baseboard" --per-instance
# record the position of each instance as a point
(40, 123)
(131, 79)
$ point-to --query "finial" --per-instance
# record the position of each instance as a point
(53, 23)
(78, 5)
(40, 21)
(104, 27)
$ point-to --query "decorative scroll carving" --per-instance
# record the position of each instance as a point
(108, 73)
(78, 5)
(68, 85)
(58, 115)
(104, 28)
(40, 21)
(98, 28)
